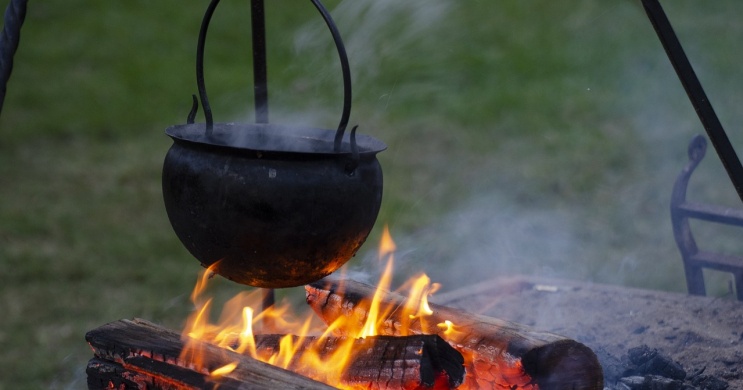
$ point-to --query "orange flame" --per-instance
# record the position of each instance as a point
(303, 349)
(224, 370)
(387, 249)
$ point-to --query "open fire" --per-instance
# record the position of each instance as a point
(324, 352)
(359, 337)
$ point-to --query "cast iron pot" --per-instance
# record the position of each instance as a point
(273, 206)
(267, 205)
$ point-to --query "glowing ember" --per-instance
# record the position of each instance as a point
(302, 349)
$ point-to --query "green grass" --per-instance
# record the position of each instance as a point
(536, 137)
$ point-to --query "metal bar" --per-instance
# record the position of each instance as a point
(260, 72)
(696, 94)
(267, 302)
(260, 91)
(15, 15)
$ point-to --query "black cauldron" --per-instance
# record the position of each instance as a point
(275, 206)
(268, 205)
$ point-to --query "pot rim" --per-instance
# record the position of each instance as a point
(267, 137)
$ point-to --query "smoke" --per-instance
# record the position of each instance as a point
(365, 25)
(603, 213)
(487, 237)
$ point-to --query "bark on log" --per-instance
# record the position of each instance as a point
(500, 354)
(383, 362)
(129, 352)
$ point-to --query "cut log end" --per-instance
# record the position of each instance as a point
(502, 354)
(410, 362)
(564, 364)
(381, 362)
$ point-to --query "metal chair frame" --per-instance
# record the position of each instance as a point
(695, 260)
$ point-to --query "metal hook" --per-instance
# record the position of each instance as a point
(355, 157)
(697, 149)
(194, 109)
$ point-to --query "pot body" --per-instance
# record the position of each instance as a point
(269, 218)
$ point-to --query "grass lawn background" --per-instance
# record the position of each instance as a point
(534, 137)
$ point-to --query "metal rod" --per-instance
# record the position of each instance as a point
(260, 72)
(15, 15)
(269, 299)
(696, 94)
(260, 90)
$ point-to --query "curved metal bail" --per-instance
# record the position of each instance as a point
(345, 69)
(200, 66)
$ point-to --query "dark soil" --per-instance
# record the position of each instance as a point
(638, 335)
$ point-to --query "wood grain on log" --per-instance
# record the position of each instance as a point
(501, 354)
(382, 362)
(138, 349)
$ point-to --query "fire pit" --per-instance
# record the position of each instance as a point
(686, 340)
(482, 352)
(703, 334)
(370, 338)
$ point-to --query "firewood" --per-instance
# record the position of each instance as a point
(138, 354)
(382, 362)
(132, 353)
(499, 354)
(140, 372)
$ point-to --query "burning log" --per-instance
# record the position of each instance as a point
(140, 372)
(136, 354)
(499, 354)
(382, 362)
(412, 362)
(140, 355)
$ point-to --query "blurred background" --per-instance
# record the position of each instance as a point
(535, 137)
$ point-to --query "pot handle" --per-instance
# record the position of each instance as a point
(345, 69)
(200, 69)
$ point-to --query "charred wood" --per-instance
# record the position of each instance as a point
(645, 368)
(382, 362)
(653, 382)
(140, 372)
(136, 354)
(499, 354)
(646, 361)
